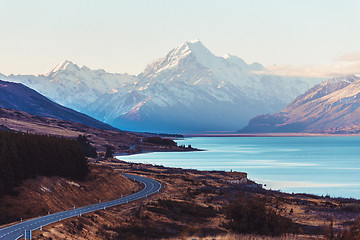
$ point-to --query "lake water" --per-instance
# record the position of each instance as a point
(319, 165)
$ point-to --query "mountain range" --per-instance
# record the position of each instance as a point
(189, 90)
(16, 96)
(330, 107)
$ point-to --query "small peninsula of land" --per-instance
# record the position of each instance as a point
(121, 142)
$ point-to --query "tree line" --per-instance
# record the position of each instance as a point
(24, 156)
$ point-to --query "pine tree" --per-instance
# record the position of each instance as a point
(109, 152)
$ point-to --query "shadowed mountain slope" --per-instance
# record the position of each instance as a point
(19, 97)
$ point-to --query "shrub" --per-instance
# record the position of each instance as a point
(85, 145)
(161, 141)
(249, 214)
(109, 152)
(148, 230)
(351, 233)
(183, 211)
(351, 207)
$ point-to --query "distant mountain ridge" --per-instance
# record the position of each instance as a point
(73, 86)
(17, 96)
(330, 107)
(189, 90)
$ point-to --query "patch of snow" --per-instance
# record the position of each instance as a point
(44, 189)
(60, 67)
(73, 183)
(194, 41)
(112, 91)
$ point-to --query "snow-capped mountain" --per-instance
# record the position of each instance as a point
(189, 90)
(330, 107)
(72, 86)
(192, 90)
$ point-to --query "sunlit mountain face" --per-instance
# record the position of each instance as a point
(330, 107)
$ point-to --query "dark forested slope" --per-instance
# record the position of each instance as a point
(24, 156)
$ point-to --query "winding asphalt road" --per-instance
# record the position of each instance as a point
(18, 230)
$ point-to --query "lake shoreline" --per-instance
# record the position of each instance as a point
(217, 189)
(269, 135)
(321, 166)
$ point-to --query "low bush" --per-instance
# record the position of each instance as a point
(137, 231)
(249, 214)
(351, 233)
(183, 211)
(351, 207)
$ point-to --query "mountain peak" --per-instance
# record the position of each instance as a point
(194, 53)
(64, 65)
(196, 47)
(193, 48)
(194, 41)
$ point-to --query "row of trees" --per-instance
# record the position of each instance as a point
(161, 141)
(88, 149)
(24, 156)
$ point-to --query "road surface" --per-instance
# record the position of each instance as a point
(17, 231)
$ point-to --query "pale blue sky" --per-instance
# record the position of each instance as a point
(123, 36)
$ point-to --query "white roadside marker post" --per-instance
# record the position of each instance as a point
(27, 234)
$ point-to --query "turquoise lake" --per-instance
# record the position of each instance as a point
(318, 165)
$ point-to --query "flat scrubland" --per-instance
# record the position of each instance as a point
(232, 236)
(191, 205)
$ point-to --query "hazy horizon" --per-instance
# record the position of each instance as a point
(289, 38)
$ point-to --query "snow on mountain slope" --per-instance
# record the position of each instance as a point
(72, 86)
(192, 90)
(16, 96)
(196, 58)
(189, 90)
(332, 106)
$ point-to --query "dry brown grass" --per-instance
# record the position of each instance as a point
(231, 236)
(53, 194)
(149, 219)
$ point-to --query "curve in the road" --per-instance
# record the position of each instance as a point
(16, 231)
